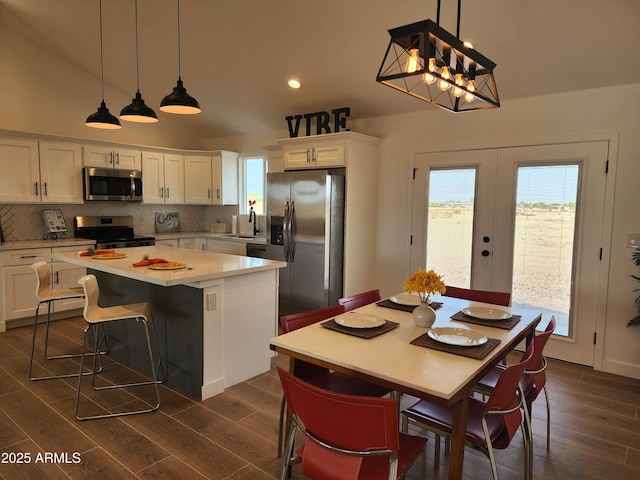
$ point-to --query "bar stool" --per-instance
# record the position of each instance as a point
(45, 294)
(96, 316)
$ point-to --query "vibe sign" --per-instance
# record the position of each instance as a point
(322, 120)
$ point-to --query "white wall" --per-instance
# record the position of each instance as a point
(548, 119)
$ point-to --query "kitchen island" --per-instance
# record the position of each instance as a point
(214, 318)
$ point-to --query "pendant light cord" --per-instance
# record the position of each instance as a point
(137, 66)
(179, 47)
(438, 17)
(101, 56)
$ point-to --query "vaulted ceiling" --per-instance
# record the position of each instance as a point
(238, 54)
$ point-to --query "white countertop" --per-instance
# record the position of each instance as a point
(202, 266)
(62, 242)
(217, 236)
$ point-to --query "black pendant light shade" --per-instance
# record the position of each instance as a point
(103, 119)
(179, 101)
(138, 111)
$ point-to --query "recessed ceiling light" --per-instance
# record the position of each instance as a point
(293, 83)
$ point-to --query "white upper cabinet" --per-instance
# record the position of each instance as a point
(225, 178)
(211, 179)
(198, 179)
(321, 151)
(163, 178)
(108, 157)
(40, 172)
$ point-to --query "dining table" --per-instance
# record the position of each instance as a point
(380, 343)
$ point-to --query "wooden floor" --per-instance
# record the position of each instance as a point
(595, 428)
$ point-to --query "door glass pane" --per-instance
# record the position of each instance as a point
(450, 224)
(544, 241)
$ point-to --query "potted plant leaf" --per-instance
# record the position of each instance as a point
(635, 256)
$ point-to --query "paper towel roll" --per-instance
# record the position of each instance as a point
(234, 224)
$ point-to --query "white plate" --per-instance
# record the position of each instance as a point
(457, 336)
(486, 313)
(359, 320)
(405, 299)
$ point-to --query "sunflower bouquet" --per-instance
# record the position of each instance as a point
(425, 283)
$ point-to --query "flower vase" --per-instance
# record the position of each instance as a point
(423, 315)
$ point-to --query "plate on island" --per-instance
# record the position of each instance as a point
(405, 299)
(358, 320)
(109, 256)
(168, 266)
(457, 336)
(487, 313)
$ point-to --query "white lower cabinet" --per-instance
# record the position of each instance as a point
(223, 246)
(19, 282)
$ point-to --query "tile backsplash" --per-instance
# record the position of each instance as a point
(21, 222)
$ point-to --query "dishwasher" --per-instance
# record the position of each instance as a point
(257, 250)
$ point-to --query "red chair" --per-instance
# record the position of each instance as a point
(534, 379)
(485, 296)
(489, 425)
(360, 299)
(347, 436)
(321, 376)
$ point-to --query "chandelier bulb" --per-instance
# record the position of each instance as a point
(469, 96)
(458, 89)
(445, 75)
(413, 61)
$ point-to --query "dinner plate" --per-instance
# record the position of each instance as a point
(405, 299)
(359, 320)
(168, 266)
(457, 336)
(487, 313)
(109, 256)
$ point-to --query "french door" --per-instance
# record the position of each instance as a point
(525, 220)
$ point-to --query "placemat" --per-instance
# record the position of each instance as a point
(478, 352)
(507, 324)
(361, 332)
(405, 308)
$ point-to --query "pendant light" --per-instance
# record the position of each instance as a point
(137, 111)
(179, 101)
(102, 118)
(423, 52)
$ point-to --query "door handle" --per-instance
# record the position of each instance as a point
(285, 234)
(292, 243)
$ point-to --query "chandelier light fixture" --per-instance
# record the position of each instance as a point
(429, 63)
(102, 118)
(179, 101)
(137, 110)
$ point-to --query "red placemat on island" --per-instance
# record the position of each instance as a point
(507, 324)
(361, 332)
(477, 352)
(405, 308)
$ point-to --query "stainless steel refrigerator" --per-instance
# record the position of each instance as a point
(305, 228)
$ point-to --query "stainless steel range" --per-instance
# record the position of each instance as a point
(110, 232)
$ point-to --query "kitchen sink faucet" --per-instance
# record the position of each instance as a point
(252, 214)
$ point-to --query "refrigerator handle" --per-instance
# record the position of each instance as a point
(285, 233)
(292, 226)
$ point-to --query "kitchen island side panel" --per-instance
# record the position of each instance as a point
(178, 317)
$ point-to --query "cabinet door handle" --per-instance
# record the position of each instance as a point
(36, 184)
(57, 278)
(110, 158)
(46, 191)
(161, 192)
(313, 154)
(307, 155)
(218, 193)
(209, 193)
(28, 256)
(118, 158)
(168, 192)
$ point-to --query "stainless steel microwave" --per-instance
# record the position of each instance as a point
(112, 184)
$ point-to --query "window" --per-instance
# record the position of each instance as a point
(252, 184)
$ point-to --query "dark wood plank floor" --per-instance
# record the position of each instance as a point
(595, 427)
